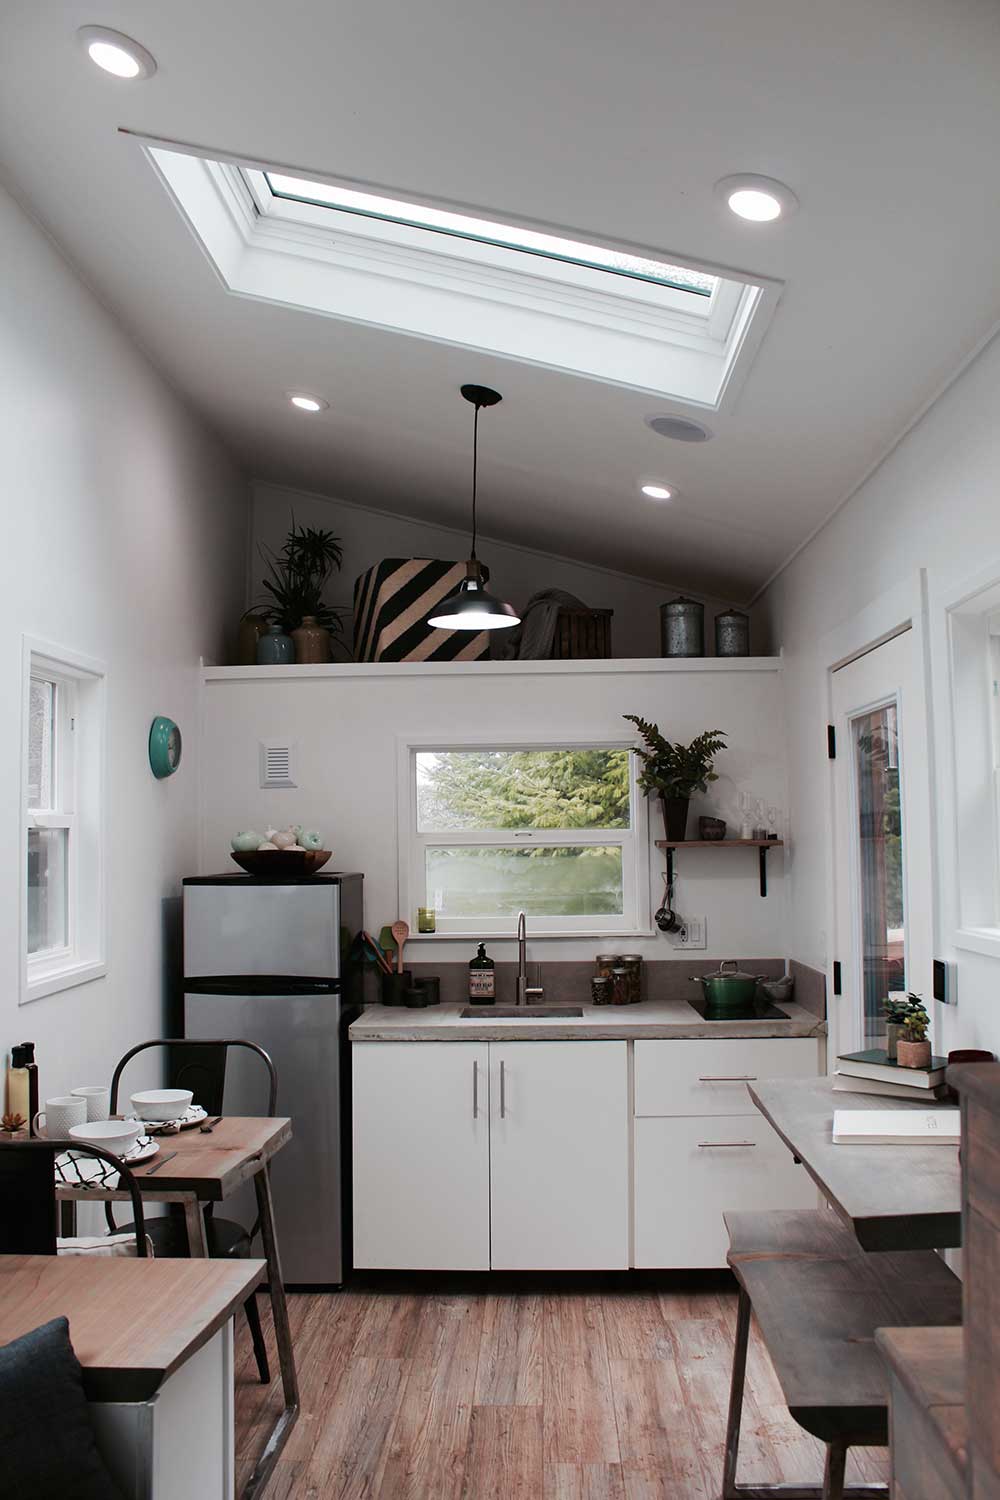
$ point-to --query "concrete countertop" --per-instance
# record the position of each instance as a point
(650, 1020)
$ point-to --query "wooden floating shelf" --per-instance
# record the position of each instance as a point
(761, 845)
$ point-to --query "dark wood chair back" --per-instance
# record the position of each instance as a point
(201, 1067)
(28, 1194)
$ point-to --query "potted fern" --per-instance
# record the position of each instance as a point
(913, 1050)
(674, 772)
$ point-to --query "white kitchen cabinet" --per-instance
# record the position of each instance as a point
(559, 1155)
(421, 1156)
(705, 1076)
(690, 1171)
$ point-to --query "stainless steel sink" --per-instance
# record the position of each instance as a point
(519, 1012)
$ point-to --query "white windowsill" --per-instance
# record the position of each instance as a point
(535, 934)
(62, 979)
(984, 940)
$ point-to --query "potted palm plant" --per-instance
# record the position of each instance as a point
(674, 772)
(296, 585)
(913, 1050)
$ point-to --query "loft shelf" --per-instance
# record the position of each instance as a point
(761, 845)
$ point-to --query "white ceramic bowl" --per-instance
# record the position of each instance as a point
(116, 1136)
(161, 1104)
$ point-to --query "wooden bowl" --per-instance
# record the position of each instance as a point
(282, 863)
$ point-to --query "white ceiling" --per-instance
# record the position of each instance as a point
(606, 120)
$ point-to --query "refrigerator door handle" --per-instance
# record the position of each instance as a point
(475, 1089)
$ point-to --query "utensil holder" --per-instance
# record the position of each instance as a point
(394, 987)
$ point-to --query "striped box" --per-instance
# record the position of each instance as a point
(391, 603)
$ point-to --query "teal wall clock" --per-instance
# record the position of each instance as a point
(164, 747)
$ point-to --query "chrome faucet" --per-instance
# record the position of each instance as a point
(525, 994)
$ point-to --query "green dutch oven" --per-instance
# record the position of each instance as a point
(728, 991)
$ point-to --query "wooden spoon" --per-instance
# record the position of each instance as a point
(400, 932)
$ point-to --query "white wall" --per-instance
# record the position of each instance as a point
(344, 723)
(933, 505)
(124, 537)
(516, 572)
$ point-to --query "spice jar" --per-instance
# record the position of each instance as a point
(619, 986)
(601, 989)
(606, 962)
(632, 964)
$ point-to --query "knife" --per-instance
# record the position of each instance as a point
(158, 1164)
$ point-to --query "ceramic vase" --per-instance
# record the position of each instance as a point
(252, 627)
(312, 641)
(275, 648)
(675, 816)
(913, 1054)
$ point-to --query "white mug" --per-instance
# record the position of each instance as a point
(59, 1116)
(98, 1101)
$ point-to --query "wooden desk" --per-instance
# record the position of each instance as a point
(132, 1322)
(195, 1167)
(894, 1197)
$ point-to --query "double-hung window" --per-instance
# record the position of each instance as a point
(555, 831)
(63, 906)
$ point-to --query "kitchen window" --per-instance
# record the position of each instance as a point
(556, 831)
(63, 903)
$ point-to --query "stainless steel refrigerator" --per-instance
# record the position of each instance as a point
(270, 961)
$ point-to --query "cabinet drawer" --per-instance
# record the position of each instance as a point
(705, 1077)
(688, 1173)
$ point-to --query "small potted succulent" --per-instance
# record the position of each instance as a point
(895, 1007)
(13, 1124)
(913, 1050)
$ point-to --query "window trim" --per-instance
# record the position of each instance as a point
(82, 794)
(635, 921)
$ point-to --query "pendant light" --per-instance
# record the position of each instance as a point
(471, 607)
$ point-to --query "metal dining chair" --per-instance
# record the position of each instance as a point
(200, 1065)
(28, 1209)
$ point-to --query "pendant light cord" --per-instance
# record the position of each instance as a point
(475, 474)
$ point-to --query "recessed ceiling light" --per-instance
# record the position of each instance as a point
(656, 491)
(758, 199)
(305, 402)
(681, 429)
(116, 53)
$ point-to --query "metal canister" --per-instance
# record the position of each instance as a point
(682, 627)
(600, 989)
(619, 986)
(607, 963)
(632, 964)
(732, 633)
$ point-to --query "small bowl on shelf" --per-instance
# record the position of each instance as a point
(711, 829)
(282, 863)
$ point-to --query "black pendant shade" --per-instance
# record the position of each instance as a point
(471, 607)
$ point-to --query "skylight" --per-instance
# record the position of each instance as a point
(490, 232)
(618, 313)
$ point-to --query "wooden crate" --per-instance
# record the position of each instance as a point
(582, 634)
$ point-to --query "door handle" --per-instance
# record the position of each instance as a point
(735, 1078)
(503, 1091)
(711, 1145)
(475, 1089)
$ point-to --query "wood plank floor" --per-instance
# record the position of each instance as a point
(558, 1389)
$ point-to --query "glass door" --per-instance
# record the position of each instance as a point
(884, 919)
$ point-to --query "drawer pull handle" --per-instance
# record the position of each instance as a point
(736, 1078)
(711, 1145)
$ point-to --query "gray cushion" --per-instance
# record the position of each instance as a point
(47, 1443)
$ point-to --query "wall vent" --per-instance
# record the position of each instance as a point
(277, 763)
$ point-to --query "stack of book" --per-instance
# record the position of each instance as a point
(874, 1072)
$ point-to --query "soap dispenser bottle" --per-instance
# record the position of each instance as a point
(482, 979)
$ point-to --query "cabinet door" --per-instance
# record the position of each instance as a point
(559, 1155)
(709, 1077)
(421, 1156)
(689, 1172)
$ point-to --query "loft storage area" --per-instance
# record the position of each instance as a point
(502, 690)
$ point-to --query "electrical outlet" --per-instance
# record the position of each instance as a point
(694, 933)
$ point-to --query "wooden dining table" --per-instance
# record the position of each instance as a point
(198, 1166)
(893, 1197)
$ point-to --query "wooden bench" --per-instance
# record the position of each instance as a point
(818, 1299)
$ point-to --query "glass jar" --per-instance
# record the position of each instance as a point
(632, 964)
(426, 919)
(620, 986)
(606, 962)
(601, 989)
